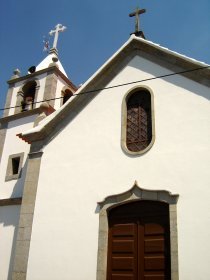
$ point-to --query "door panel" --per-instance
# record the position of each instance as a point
(154, 263)
(154, 245)
(154, 249)
(154, 277)
(153, 228)
(124, 230)
(123, 277)
(139, 246)
(123, 244)
(123, 263)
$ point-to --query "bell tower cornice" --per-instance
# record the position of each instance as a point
(50, 69)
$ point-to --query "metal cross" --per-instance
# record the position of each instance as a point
(136, 14)
(58, 28)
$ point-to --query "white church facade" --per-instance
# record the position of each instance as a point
(112, 182)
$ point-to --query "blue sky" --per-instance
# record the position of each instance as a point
(95, 30)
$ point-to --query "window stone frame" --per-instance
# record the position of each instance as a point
(124, 120)
(136, 194)
(9, 174)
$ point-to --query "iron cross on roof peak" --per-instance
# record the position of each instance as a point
(136, 14)
(58, 28)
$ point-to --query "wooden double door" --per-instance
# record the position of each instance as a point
(139, 242)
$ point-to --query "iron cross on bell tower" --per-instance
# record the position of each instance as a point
(58, 28)
(136, 14)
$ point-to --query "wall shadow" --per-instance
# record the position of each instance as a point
(10, 214)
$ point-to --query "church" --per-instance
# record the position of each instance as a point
(108, 181)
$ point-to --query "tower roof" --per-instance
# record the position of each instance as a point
(48, 60)
(53, 52)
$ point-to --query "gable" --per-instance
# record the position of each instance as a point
(136, 53)
(96, 123)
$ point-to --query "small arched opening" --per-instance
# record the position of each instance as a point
(28, 94)
(67, 93)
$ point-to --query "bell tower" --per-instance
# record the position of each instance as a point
(30, 98)
(46, 82)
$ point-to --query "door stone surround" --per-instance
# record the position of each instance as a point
(134, 194)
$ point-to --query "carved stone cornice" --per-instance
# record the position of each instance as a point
(137, 193)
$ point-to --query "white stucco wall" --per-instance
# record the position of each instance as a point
(9, 217)
(47, 61)
(13, 145)
(85, 163)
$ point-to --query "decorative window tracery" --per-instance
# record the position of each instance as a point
(139, 127)
(137, 131)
